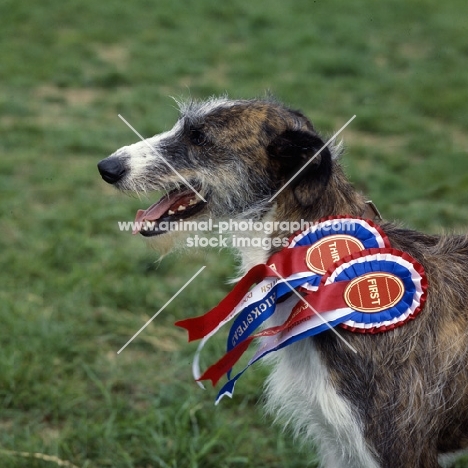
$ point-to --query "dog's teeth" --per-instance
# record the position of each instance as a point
(170, 212)
(181, 208)
(192, 202)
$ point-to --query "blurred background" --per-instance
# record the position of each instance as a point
(74, 289)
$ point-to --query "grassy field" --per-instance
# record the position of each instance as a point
(74, 289)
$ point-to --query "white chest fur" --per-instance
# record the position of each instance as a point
(300, 394)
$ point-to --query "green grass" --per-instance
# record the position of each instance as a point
(73, 288)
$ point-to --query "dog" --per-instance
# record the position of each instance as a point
(401, 401)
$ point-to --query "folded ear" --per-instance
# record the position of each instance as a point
(297, 149)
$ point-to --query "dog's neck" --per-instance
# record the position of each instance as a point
(338, 197)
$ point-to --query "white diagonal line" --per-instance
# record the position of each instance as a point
(315, 312)
(311, 159)
(172, 168)
(161, 309)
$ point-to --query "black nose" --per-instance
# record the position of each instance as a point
(112, 169)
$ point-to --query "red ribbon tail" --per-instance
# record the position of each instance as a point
(218, 369)
(199, 327)
(195, 327)
(329, 297)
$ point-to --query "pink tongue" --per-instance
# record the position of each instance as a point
(155, 211)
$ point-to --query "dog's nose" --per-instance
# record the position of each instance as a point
(112, 169)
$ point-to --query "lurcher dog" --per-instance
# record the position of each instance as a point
(402, 400)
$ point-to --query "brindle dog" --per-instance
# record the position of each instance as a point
(402, 400)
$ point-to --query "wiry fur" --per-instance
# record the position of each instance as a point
(402, 399)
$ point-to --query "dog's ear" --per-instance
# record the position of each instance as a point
(294, 149)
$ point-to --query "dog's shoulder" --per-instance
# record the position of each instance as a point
(407, 239)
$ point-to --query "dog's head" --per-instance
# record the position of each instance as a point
(223, 159)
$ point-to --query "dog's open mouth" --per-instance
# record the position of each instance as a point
(177, 205)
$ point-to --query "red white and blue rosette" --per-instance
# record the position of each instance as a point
(395, 289)
(333, 238)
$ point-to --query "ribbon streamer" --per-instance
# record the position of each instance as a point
(353, 250)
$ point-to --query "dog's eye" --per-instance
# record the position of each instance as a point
(197, 137)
